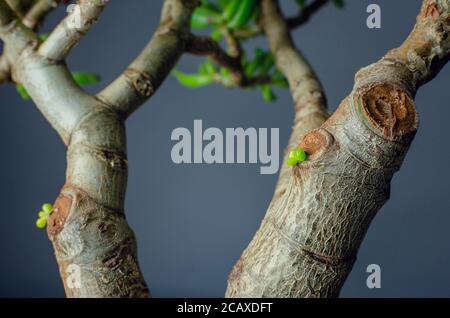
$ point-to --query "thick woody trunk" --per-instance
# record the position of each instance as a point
(94, 246)
(88, 228)
(321, 210)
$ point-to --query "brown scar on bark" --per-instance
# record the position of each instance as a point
(389, 110)
(59, 216)
(141, 81)
(316, 142)
(430, 10)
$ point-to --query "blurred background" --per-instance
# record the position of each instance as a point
(192, 222)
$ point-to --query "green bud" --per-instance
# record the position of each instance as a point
(296, 157)
(22, 92)
(47, 208)
(267, 93)
(300, 154)
(42, 215)
(43, 37)
(292, 162)
(41, 223)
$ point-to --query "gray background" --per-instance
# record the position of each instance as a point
(193, 221)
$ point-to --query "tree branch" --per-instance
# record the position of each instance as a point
(309, 238)
(70, 31)
(306, 13)
(294, 22)
(62, 107)
(146, 73)
(37, 13)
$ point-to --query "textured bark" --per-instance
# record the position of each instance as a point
(309, 238)
(321, 209)
(88, 228)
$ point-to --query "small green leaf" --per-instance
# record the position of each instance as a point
(83, 78)
(292, 162)
(216, 35)
(296, 157)
(339, 3)
(193, 80)
(47, 208)
(43, 37)
(244, 14)
(231, 9)
(203, 17)
(267, 92)
(300, 155)
(206, 68)
(224, 3)
(42, 215)
(22, 92)
(41, 223)
(267, 64)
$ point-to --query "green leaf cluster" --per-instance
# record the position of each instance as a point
(296, 157)
(43, 215)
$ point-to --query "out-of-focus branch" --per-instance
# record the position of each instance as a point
(146, 73)
(37, 13)
(303, 16)
(305, 87)
(306, 13)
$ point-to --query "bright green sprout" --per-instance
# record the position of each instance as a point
(44, 214)
(296, 157)
(43, 37)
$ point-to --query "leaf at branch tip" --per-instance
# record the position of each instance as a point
(22, 92)
(216, 35)
(44, 36)
(339, 3)
(207, 68)
(193, 80)
(244, 14)
(231, 8)
(204, 16)
(267, 93)
(83, 78)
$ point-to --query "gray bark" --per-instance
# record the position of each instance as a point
(309, 238)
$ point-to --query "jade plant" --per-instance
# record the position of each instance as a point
(309, 238)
